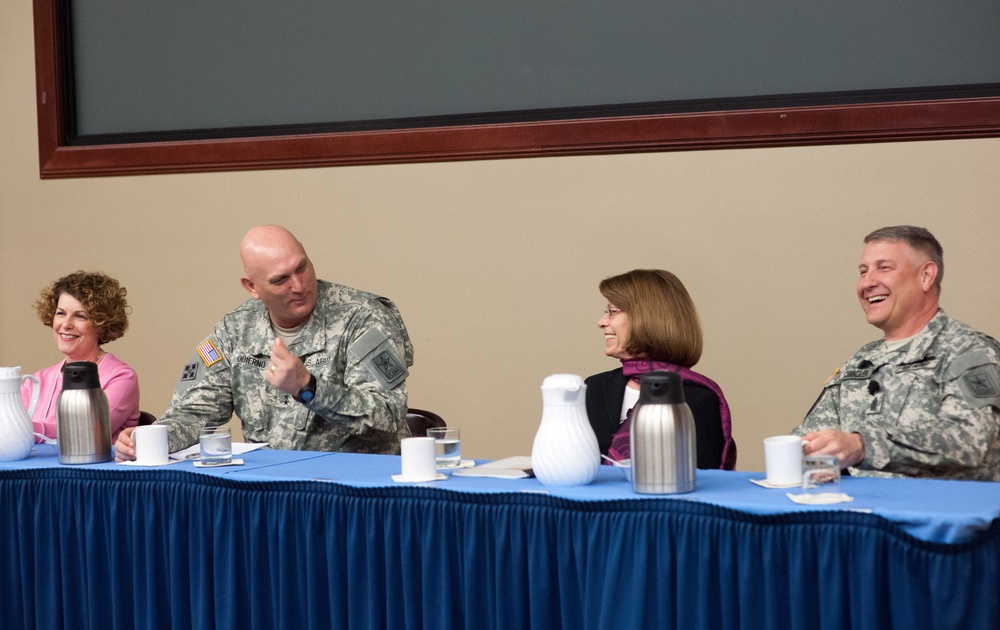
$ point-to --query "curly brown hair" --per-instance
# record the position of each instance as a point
(101, 295)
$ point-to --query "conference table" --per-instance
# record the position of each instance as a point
(329, 540)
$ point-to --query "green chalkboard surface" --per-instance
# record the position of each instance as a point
(128, 73)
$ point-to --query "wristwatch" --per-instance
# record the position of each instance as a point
(307, 393)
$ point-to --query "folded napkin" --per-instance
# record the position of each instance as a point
(465, 463)
(823, 498)
(510, 468)
(403, 479)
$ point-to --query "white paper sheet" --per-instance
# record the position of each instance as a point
(518, 467)
(194, 452)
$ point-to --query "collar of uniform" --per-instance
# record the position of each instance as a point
(922, 342)
(312, 337)
(263, 336)
(877, 354)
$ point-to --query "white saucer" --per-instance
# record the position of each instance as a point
(764, 483)
(402, 479)
(147, 465)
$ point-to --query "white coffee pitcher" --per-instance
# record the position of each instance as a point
(565, 451)
(17, 435)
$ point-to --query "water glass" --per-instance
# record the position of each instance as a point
(447, 446)
(820, 475)
(216, 445)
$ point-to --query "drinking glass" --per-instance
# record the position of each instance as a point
(216, 445)
(447, 446)
(821, 475)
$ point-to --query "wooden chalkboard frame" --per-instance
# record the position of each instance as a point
(791, 120)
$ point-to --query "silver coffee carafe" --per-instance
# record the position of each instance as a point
(82, 423)
(662, 437)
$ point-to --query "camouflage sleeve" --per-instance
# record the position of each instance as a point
(372, 387)
(953, 433)
(203, 396)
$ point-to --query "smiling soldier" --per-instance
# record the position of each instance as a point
(923, 401)
(305, 364)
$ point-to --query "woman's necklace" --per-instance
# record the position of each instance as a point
(99, 356)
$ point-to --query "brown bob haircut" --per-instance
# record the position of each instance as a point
(663, 323)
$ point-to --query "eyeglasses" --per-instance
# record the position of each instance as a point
(610, 312)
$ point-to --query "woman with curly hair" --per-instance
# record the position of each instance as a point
(85, 311)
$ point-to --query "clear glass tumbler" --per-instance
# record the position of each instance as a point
(216, 445)
(448, 446)
(821, 476)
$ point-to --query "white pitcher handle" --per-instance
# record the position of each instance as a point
(35, 390)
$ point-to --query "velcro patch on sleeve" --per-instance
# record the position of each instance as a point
(977, 376)
(379, 356)
(982, 386)
(209, 354)
(193, 372)
(389, 367)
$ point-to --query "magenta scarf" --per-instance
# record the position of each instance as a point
(621, 445)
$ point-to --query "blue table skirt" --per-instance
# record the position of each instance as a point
(107, 546)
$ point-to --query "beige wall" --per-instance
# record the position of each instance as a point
(495, 264)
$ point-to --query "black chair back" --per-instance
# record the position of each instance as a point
(419, 420)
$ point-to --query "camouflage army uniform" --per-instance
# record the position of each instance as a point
(355, 344)
(929, 409)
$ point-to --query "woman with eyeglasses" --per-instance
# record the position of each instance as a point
(650, 324)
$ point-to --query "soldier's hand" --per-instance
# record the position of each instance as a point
(849, 448)
(286, 372)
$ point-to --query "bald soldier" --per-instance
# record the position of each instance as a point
(305, 364)
(923, 401)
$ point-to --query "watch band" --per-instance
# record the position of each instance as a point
(307, 393)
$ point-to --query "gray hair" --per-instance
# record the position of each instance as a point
(919, 239)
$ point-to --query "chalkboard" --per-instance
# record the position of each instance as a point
(340, 81)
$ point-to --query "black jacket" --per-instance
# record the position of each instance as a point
(606, 392)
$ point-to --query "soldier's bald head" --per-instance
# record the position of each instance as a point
(264, 243)
(279, 274)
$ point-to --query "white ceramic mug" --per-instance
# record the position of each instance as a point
(783, 460)
(151, 445)
(419, 461)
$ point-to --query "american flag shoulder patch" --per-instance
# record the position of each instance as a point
(208, 353)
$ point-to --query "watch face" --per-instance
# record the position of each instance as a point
(309, 391)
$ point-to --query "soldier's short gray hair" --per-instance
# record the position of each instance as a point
(919, 239)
